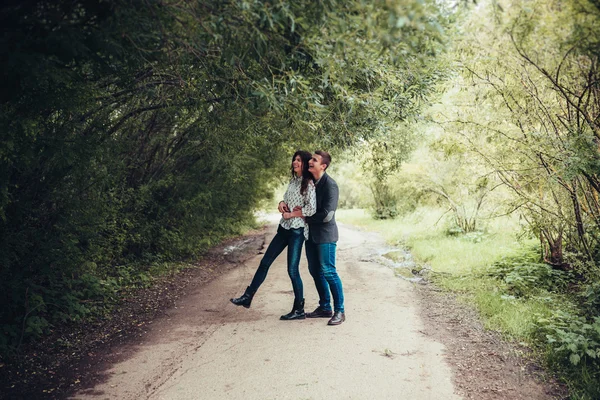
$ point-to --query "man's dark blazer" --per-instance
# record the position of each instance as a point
(322, 226)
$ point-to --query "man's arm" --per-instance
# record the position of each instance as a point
(328, 206)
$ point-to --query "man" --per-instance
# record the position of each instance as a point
(321, 245)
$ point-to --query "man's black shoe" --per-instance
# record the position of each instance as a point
(319, 313)
(338, 318)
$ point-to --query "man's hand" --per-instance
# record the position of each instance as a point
(282, 207)
(298, 209)
(287, 215)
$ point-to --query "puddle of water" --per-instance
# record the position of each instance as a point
(401, 262)
(239, 245)
(403, 273)
(395, 255)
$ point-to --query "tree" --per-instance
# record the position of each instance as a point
(533, 77)
(144, 130)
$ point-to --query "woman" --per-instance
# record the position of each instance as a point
(291, 232)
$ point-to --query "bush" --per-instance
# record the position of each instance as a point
(524, 277)
(569, 334)
(589, 296)
(573, 347)
(572, 337)
(385, 202)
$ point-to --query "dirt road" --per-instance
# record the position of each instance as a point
(207, 348)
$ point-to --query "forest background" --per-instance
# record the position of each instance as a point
(136, 134)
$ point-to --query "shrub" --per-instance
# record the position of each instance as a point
(525, 278)
(589, 296)
(573, 347)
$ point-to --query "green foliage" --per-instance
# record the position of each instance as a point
(354, 192)
(572, 338)
(427, 240)
(572, 345)
(523, 276)
(137, 133)
(519, 108)
(385, 206)
(569, 338)
(381, 159)
(569, 335)
(519, 137)
(590, 297)
(523, 108)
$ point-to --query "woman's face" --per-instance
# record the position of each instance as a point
(297, 165)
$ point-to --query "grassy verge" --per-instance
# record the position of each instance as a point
(500, 274)
(423, 232)
(460, 262)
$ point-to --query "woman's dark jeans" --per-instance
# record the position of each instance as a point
(293, 240)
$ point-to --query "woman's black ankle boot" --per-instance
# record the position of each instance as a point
(296, 313)
(245, 299)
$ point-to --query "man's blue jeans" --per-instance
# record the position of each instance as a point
(292, 239)
(321, 265)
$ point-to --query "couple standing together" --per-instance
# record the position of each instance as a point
(308, 214)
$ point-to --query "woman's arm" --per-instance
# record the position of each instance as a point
(310, 201)
(309, 207)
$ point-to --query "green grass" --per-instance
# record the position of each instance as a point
(513, 317)
(460, 264)
(423, 232)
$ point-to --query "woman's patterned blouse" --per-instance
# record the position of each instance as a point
(293, 198)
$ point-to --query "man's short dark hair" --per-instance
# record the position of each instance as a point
(325, 157)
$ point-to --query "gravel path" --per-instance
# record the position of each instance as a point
(401, 340)
(206, 348)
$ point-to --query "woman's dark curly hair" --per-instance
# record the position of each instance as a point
(307, 177)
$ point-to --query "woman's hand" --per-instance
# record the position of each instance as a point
(287, 215)
(282, 207)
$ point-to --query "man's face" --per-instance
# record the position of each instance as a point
(315, 166)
